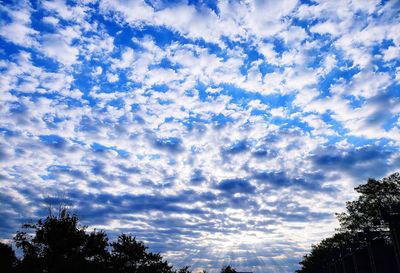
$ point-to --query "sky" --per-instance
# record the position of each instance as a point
(218, 132)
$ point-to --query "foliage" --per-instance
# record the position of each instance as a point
(364, 218)
(60, 244)
(184, 270)
(7, 258)
(376, 198)
(129, 255)
(228, 269)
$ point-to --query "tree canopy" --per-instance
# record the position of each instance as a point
(59, 244)
(366, 218)
(228, 269)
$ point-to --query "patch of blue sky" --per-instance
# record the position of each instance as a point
(304, 23)
(17, 108)
(38, 23)
(87, 124)
(172, 162)
(258, 112)
(201, 88)
(266, 68)
(153, 156)
(393, 91)
(5, 16)
(34, 96)
(165, 101)
(45, 63)
(220, 120)
(52, 120)
(55, 168)
(8, 50)
(124, 38)
(309, 2)
(117, 103)
(172, 144)
(162, 37)
(194, 121)
(391, 122)
(77, 141)
(201, 4)
(167, 64)
(386, 66)
(336, 74)
(354, 102)
(376, 15)
(54, 141)
(162, 88)
(5, 132)
(83, 81)
(361, 141)
(317, 56)
(169, 119)
(279, 46)
(336, 125)
(237, 147)
(252, 55)
(99, 148)
(343, 62)
(49, 176)
(135, 107)
(242, 97)
(287, 123)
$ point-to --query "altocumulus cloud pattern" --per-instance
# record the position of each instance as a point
(216, 131)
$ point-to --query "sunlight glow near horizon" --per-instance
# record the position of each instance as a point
(215, 131)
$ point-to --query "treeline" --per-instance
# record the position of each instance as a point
(59, 244)
(369, 234)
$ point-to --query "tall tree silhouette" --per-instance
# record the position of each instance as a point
(130, 256)
(7, 258)
(228, 269)
(184, 270)
(377, 197)
(369, 235)
(59, 244)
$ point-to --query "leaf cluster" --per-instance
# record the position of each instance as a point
(59, 244)
(367, 217)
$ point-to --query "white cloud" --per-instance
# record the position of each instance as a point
(19, 31)
(55, 46)
(112, 77)
(97, 71)
(326, 28)
(392, 53)
(66, 12)
(367, 84)
(51, 20)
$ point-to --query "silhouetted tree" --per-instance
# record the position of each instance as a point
(326, 252)
(59, 244)
(130, 256)
(376, 197)
(7, 258)
(366, 219)
(184, 270)
(228, 269)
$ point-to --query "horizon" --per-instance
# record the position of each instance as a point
(217, 132)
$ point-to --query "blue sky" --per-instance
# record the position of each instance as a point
(219, 132)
